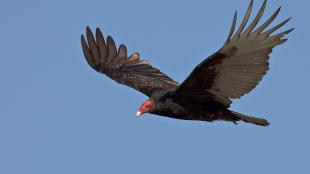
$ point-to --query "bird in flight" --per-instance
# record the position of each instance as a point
(206, 94)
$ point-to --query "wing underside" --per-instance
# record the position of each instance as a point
(239, 65)
(103, 56)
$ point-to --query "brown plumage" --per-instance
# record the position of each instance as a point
(206, 93)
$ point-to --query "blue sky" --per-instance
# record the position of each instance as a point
(57, 115)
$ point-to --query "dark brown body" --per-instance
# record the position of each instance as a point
(166, 106)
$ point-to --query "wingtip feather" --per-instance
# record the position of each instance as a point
(233, 26)
(88, 30)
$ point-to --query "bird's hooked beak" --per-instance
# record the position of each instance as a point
(138, 113)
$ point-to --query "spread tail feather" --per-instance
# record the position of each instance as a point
(250, 119)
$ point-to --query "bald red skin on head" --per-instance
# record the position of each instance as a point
(146, 107)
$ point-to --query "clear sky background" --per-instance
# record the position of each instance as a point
(57, 115)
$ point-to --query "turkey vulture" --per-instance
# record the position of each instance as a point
(206, 94)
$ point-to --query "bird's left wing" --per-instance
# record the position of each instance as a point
(238, 66)
(130, 71)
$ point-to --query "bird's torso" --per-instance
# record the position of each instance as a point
(166, 106)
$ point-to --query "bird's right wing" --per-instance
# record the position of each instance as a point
(130, 71)
(238, 66)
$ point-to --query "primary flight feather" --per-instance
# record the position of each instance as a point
(234, 70)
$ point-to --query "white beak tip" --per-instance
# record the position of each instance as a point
(138, 113)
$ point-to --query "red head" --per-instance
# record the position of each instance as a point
(146, 107)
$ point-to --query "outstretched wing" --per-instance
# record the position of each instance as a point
(238, 66)
(131, 71)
